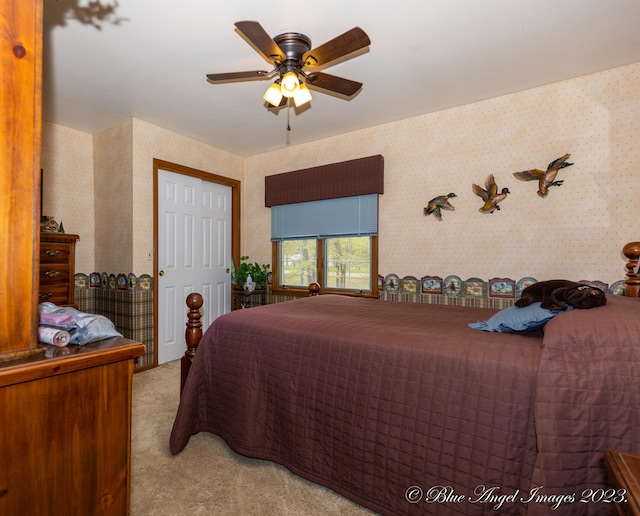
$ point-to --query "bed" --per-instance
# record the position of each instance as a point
(405, 409)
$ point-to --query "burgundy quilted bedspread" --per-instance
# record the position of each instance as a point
(406, 410)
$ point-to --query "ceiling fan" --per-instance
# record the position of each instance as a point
(294, 61)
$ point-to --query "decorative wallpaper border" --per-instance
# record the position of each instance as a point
(130, 282)
(454, 286)
(496, 293)
(452, 290)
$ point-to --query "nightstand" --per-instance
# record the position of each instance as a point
(244, 299)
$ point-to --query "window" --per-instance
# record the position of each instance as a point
(298, 262)
(332, 242)
(348, 263)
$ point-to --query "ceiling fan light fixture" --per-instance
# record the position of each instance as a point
(289, 84)
(302, 96)
(273, 95)
(291, 53)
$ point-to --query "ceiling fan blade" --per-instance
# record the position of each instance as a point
(237, 76)
(331, 82)
(340, 46)
(259, 38)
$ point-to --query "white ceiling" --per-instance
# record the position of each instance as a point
(149, 58)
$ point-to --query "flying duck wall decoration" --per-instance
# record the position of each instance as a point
(437, 204)
(545, 178)
(490, 195)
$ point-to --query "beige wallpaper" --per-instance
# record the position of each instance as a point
(118, 213)
(577, 232)
(151, 142)
(67, 163)
(113, 199)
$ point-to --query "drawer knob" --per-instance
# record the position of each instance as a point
(46, 295)
(52, 252)
(52, 274)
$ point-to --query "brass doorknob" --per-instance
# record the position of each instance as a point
(228, 270)
(161, 273)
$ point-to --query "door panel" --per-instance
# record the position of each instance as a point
(194, 250)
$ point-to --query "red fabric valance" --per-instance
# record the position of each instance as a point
(361, 176)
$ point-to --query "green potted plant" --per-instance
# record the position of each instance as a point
(257, 272)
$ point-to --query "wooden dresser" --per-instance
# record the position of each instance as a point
(624, 469)
(57, 268)
(64, 420)
(65, 430)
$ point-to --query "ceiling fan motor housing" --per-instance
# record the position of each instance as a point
(294, 45)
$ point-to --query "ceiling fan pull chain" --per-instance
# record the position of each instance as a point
(288, 114)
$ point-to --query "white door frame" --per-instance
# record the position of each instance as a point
(235, 226)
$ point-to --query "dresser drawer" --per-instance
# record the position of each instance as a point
(57, 294)
(51, 273)
(53, 252)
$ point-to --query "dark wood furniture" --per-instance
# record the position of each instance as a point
(20, 89)
(624, 469)
(241, 298)
(632, 253)
(57, 268)
(64, 412)
(65, 430)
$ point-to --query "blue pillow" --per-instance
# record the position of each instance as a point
(513, 318)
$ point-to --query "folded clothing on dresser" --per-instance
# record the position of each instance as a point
(81, 327)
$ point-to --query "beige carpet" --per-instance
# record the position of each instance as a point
(207, 477)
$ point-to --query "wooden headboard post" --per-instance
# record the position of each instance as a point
(314, 289)
(192, 335)
(632, 252)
